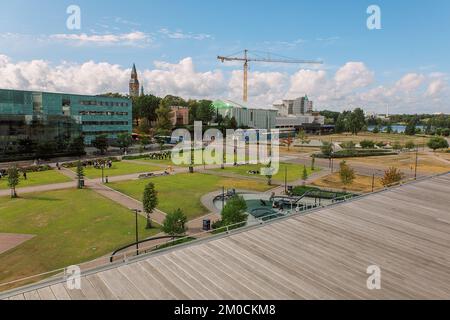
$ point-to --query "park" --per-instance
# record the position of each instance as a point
(54, 222)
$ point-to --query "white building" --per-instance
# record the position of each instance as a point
(256, 118)
(297, 113)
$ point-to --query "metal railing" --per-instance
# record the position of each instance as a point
(144, 252)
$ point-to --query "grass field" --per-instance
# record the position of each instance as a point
(185, 190)
(377, 137)
(36, 179)
(119, 169)
(427, 162)
(360, 184)
(70, 227)
(294, 171)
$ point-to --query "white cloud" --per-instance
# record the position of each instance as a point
(179, 34)
(132, 38)
(351, 85)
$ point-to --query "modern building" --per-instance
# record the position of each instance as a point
(298, 114)
(245, 116)
(179, 115)
(134, 83)
(60, 114)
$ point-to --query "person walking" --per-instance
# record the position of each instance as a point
(25, 175)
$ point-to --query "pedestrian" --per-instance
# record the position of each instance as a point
(25, 175)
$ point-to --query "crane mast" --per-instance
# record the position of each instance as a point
(246, 60)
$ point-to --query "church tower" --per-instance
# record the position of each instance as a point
(134, 83)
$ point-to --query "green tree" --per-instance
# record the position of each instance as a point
(80, 174)
(163, 122)
(124, 141)
(436, 143)
(389, 128)
(348, 145)
(205, 111)
(367, 144)
(356, 121)
(146, 107)
(13, 180)
(342, 122)
(149, 201)
(411, 127)
(303, 137)
(234, 211)
(346, 174)
(304, 175)
(175, 223)
(376, 129)
(326, 149)
(101, 143)
(77, 146)
(268, 173)
(143, 142)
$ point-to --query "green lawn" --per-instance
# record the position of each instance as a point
(119, 169)
(186, 158)
(37, 178)
(70, 227)
(294, 171)
(185, 190)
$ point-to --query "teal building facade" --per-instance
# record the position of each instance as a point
(60, 114)
(41, 125)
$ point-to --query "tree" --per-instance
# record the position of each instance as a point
(356, 121)
(410, 129)
(391, 176)
(77, 145)
(163, 122)
(149, 201)
(101, 143)
(436, 143)
(303, 137)
(234, 211)
(389, 128)
(304, 175)
(143, 142)
(342, 122)
(346, 174)
(268, 172)
(367, 144)
(410, 145)
(327, 149)
(348, 145)
(13, 180)
(205, 111)
(80, 175)
(124, 141)
(397, 146)
(175, 223)
(376, 129)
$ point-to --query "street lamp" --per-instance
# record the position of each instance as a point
(417, 159)
(136, 212)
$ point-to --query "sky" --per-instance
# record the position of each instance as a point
(404, 65)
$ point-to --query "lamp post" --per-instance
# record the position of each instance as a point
(417, 160)
(285, 180)
(373, 182)
(103, 174)
(136, 212)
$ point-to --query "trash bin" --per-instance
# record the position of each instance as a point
(206, 225)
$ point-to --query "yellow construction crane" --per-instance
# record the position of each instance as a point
(246, 60)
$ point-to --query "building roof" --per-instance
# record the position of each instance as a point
(404, 231)
(228, 104)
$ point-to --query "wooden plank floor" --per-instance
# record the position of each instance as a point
(324, 255)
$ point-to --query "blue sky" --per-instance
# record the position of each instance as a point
(414, 41)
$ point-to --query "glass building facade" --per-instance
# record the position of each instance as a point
(43, 116)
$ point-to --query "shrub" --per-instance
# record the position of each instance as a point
(410, 145)
(392, 176)
(348, 145)
(367, 144)
(437, 143)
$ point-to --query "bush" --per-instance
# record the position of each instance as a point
(358, 153)
(36, 168)
(88, 162)
(367, 144)
(317, 192)
(348, 145)
(437, 143)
